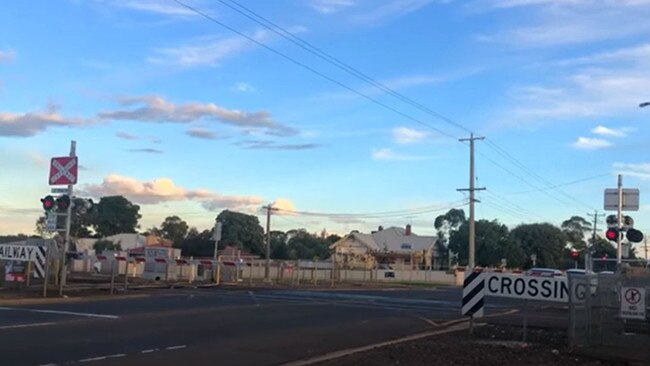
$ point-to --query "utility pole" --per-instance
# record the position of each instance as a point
(472, 200)
(267, 268)
(595, 215)
(619, 247)
(68, 222)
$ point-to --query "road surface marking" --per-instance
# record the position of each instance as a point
(175, 347)
(117, 355)
(429, 321)
(350, 351)
(93, 359)
(149, 350)
(26, 325)
(88, 315)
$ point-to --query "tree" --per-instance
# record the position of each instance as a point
(546, 241)
(101, 245)
(575, 229)
(303, 245)
(493, 243)
(241, 230)
(333, 238)
(196, 244)
(448, 223)
(279, 248)
(115, 215)
(174, 229)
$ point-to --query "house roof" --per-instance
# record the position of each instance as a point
(394, 240)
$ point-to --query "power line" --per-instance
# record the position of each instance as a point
(560, 185)
(416, 211)
(311, 69)
(531, 173)
(314, 50)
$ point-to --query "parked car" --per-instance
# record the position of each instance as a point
(544, 272)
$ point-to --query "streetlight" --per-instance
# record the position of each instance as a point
(644, 104)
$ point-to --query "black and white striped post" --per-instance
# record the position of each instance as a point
(473, 294)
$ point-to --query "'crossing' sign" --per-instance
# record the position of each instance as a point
(63, 170)
(473, 293)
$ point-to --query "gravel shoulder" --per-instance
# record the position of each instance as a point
(490, 345)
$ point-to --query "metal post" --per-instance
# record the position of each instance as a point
(68, 220)
(47, 271)
(113, 275)
(126, 275)
(29, 272)
(619, 248)
(267, 268)
(525, 336)
(217, 277)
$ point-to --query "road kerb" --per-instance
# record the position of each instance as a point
(66, 300)
(351, 351)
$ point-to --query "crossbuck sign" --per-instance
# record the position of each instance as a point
(63, 170)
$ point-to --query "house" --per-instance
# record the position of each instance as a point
(394, 247)
(127, 242)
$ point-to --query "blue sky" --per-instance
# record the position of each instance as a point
(186, 117)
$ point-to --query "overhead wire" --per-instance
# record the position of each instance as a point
(268, 24)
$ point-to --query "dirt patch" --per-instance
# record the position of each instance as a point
(490, 345)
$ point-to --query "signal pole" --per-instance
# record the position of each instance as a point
(472, 200)
(68, 221)
(619, 247)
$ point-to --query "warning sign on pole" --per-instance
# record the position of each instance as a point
(633, 303)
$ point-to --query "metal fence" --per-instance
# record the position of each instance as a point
(597, 326)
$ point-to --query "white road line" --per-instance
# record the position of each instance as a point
(175, 347)
(26, 325)
(149, 350)
(93, 359)
(88, 315)
(117, 355)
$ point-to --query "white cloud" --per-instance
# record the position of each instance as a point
(210, 51)
(638, 170)
(285, 207)
(564, 22)
(606, 131)
(331, 6)
(126, 135)
(591, 143)
(390, 9)
(272, 145)
(386, 154)
(37, 158)
(201, 133)
(162, 7)
(165, 190)
(8, 55)
(157, 109)
(405, 135)
(244, 87)
(32, 123)
(609, 83)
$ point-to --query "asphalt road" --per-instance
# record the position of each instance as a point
(232, 327)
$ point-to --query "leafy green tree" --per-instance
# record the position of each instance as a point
(449, 223)
(241, 230)
(493, 243)
(196, 244)
(332, 238)
(115, 215)
(576, 229)
(546, 241)
(279, 248)
(102, 245)
(304, 245)
(174, 229)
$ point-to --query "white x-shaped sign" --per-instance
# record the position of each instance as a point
(63, 171)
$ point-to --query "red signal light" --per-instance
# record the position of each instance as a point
(575, 254)
(62, 203)
(612, 234)
(48, 203)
